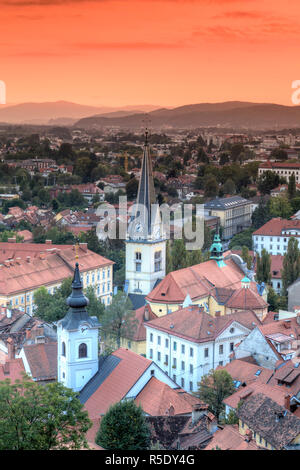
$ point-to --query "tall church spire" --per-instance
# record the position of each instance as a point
(146, 191)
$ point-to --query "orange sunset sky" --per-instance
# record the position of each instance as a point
(161, 52)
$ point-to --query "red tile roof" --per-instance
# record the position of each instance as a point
(246, 298)
(276, 393)
(244, 372)
(115, 387)
(193, 324)
(139, 334)
(276, 266)
(56, 265)
(12, 369)
(276, 226)
(229, 438)
(197, 281)
(42, 360)
(157, 398)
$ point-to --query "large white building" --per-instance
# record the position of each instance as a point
(274, 236)
(282, 169)
(189, 342)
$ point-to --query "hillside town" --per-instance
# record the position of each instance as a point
(201, 345)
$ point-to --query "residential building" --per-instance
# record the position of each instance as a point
(282, 169)
(189, 342)
(229, 438)
(234, 214)
(274, 236)
(271, 425)
(276, 269)
(24, 267)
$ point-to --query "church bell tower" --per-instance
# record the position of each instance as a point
(145, 243)
(77, 340)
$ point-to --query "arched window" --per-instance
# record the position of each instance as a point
(63, 349)
(82, 350)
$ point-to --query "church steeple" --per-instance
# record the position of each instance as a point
(146, 192)
(77, 340)
(216, 249)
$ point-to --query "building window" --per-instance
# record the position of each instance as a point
(221, 349)
(158, 356)
(206, 352)
(174, 346)
(151, 353)
(231, 347)
(151, 337)
(138, 261)
(63, 349)
(157, 261)
(182, 348)
(174, 362)
(166, 343)
(82, 350)
(191, 368)
(191, 352)
(182, 382)
(166, 359)
(182, 365)
(158, 340)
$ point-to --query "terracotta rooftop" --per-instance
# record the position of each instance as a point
(25, 268)
(276, 393)
(158, 399)
(246, 298)
(229, 438)
(120, 371)
(287, 375)
(12, 369)
(247, 373)
(194, 324)
(276, 266)
(196, 281)
(273, 422)
(277, 226)
(139, 334)
(42, 360)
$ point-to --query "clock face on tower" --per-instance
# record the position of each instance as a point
(83, 330)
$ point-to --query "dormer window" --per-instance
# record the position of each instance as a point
(82, 350)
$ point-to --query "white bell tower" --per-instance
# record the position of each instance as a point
(145, 243)
(77, 340)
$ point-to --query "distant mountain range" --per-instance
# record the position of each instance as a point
(231, 114)
(62, 112)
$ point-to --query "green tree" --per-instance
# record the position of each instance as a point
(273, 300)
(280, 207)
(246, 256)
(214, 388)
(291, 265)
(35, 417)
(179, 255)
(119, 319)
(132, 188)
(124, 427)
(263, 267)
(292, 190)
(261, 215)
(242, 239)
(210, 186)
(267, 181)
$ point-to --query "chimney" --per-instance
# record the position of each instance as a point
(12, 240)
(287, 402)
(42, 255)
(18, 260)
(48, 242)
(198, 410)
(7, 263)
(248, 435)
(146, 313)
(287, 323)
(28, 333)
(83, 246)
(28, 259)
(10, 348)
(218, 313)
